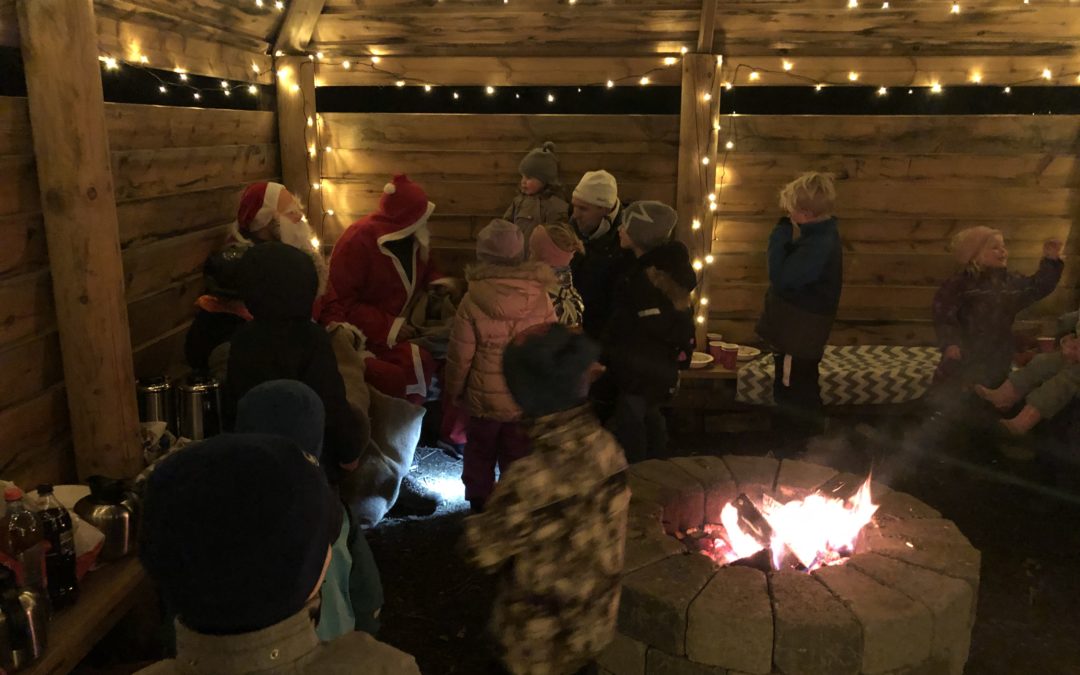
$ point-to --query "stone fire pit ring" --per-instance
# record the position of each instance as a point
(903, 603)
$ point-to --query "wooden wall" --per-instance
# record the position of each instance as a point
(178, 174)
(907, 184)
(469, 163)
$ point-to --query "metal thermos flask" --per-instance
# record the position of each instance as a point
(24, 622)
(200, 408)
(155, 395)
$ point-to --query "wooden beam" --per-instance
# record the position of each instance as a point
(67, 114)
(299, 140)
(708, 27)
(298, 25)
(697, 160)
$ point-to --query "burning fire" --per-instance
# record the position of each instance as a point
(816, 531)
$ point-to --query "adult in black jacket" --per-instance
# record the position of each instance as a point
(220, 312)
(279, 284)
(650, 325)
(596, 217)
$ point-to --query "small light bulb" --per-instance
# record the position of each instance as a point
(853, 76)
(705, 161)
(346, 64)
(427, 88)
(316, 186)
(551, 98)
(1046, 74)
(709, 259)
(976, 78)
(329, 212)
(456, 97)
(224, 84)
(712, 196)
(730, 145)
(256, 68)
(375, 59)
(788, 65)
(700, 319)
(258, 3)
(282, 73)
(146, 59)
(713, 207)
(399, 83)
(110, 63)
(162, 89)
(197, 96)
(706, 96)
(252, 89)
(955, 8)
(683, 50)
(310, 121)
(670, 61)
(1007, 90)
(882, 91)
(311, 57)
(935, 87)
(311, 151)
(517, 96)
(490, 90)
(755, 76)
(227, 92)
(644, 81)
(314, 242)
(698, 265)
(853, 4)
(279, 5)
(704, 302)
(279, 53)
(885, 5)
(294, 88)
(610, 84)
(328, 149)
(818, 87)
(696, 225)
(729, 86)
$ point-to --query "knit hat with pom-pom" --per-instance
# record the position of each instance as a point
(500, 243)
(969, 243)
(546, 369)
(542, 164)
(404, 202)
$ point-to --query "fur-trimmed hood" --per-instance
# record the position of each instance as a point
(509, 291)
(672, 290)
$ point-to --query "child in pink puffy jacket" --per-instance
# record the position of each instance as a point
(506, 297)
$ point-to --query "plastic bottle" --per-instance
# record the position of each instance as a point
(60, 558)
(21, 538)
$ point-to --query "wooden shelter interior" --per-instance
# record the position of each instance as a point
(108, 210)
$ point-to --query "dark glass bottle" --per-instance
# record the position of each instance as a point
(60, 559)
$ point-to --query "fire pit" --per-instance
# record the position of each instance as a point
(894, 596)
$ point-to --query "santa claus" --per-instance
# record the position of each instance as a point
(269, 212)
(378, 268)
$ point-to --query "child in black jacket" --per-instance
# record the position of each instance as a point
(279, 284)
(650, 325)
(805, 278)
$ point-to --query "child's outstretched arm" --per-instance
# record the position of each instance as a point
(1046, 278)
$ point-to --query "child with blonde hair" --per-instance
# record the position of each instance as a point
(556, 245)
(806, 275)
(974, 310)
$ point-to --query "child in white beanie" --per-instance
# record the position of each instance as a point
(538, 202)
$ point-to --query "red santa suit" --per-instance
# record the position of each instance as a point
(372, 288)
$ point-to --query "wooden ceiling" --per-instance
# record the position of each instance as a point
(743, 27)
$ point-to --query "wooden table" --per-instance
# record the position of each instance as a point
(105, 596)
(713, 371)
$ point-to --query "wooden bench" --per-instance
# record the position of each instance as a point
(105, 596)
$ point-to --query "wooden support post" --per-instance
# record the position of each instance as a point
(707, 27)
(697, 167)
(67, 116)
(298, 25)
(299, 139)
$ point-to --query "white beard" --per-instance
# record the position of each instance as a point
(300, 235)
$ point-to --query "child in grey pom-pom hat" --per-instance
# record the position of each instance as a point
(538, 202)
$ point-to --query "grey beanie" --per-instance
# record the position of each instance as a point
(501, 243)
(541, 163)
(649, 224)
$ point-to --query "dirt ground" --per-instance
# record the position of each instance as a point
(1028, 530)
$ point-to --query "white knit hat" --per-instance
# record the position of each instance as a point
(598, 188)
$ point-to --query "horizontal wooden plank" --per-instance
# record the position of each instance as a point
(162, 312)
(29, 368)
(54, 463)
(147, 127)
(163, 355)
(354, 198)
(19, 189)
(885, 199)
(518, 71)
(915, 170)
(139, 174)
(923, 235)
(434, 165)
(147, 220)
(917, 134)
(173, 49)
(15, 136)
(22, 244)
(9, 25)
(27, 428)
(462, 6)
(218, 20)
(152, 268)
(635, 134)
(26, 306)
(894, 71)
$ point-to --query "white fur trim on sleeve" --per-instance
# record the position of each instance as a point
(395, 328)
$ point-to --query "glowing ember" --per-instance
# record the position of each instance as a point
(816, 531)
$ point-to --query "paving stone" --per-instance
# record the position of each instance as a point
(731, 623)
(933, 543)
(753, 474)
(949, 600)
(660, 662)
(897, 631)
(688, 509)
(644, 519)
(646, 491)
(655, 599)
(624, 656)
(816, 634)
(903, 505)
(649, 549)
(797, 479)
(877, 490)
(715, 478)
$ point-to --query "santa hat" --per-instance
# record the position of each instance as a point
(258, 206)
(404, 202)
(969, 243)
